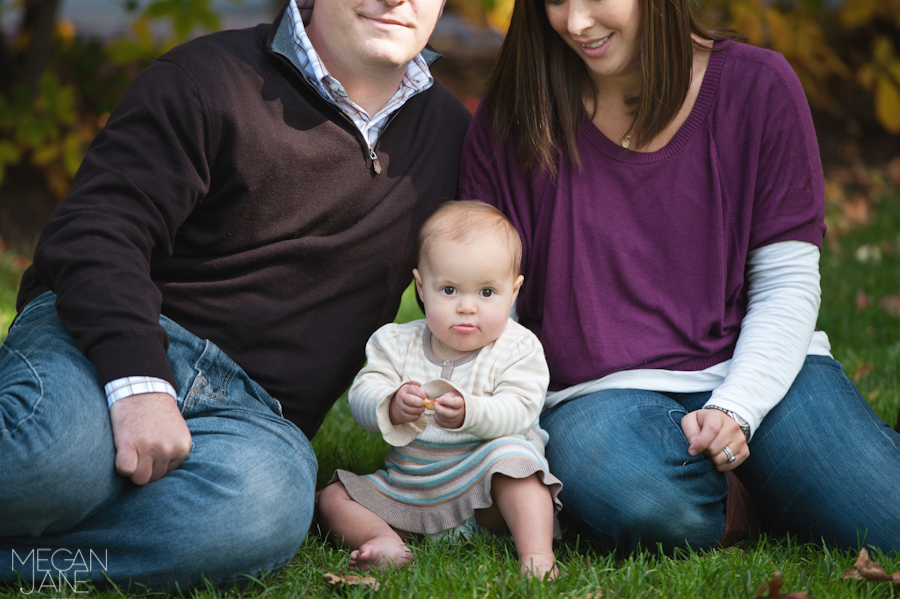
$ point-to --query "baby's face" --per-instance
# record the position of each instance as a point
(468, 290)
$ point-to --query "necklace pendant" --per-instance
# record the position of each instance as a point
(626, 141)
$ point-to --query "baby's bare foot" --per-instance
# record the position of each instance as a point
(380, 553)
(539, 565)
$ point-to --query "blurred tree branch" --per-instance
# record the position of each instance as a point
(24, 60)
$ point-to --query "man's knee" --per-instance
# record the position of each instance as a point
(258, 529)
(56, 448)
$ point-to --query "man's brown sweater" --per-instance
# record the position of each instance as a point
(228, 195)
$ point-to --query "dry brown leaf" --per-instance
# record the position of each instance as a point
(21, 262)
(857, 209)
(774, 588)
(891, 305)
(862, 370)
(866, 569)
(351, 580)
(892, 170)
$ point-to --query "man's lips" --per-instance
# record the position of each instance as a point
(386, 21)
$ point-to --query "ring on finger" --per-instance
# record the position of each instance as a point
(729, 455)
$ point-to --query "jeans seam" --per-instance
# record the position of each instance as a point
(40, 382)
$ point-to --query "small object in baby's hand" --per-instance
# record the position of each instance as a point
(428, 403)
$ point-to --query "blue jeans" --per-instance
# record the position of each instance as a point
(241, 503)
(822, 465)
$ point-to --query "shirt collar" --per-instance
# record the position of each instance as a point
(418, 76)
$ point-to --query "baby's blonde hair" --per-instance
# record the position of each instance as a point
(466, 220)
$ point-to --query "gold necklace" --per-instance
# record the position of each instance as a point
(626, 139)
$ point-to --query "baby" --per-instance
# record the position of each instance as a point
(457, 396)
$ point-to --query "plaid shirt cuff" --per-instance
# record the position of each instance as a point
(135, 385)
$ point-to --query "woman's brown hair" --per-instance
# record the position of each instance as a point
(538, 82)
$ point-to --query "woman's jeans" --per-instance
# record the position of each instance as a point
(241, 503)
(822, 466)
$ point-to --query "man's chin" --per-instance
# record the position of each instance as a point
(386, 57)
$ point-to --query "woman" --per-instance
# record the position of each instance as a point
(667, 186)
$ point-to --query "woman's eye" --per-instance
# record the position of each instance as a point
(486, 292)
(448, 290)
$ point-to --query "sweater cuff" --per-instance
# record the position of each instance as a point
(125, 356)
(437, 387)
(401, 434)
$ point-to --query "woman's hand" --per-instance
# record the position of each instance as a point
(450, 410)
(709, 432)
(407, 404)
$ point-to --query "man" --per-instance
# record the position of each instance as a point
(260, 189)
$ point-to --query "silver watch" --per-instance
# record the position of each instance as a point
(745, 426)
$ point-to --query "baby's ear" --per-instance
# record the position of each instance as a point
(518, 284)
(418, 279)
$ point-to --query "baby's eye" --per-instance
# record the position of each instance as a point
(448, 290)
(486, 292)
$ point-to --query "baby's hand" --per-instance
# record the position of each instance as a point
(406, 405)
(450, 410)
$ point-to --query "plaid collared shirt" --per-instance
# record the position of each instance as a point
(417, 79)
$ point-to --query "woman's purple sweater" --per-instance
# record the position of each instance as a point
(638, 260)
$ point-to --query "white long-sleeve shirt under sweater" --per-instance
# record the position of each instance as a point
(503, 384)
(777, 334)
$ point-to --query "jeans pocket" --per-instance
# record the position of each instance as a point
(214, 371)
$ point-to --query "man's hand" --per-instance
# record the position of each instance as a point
(709, 432)
(151, 436)
(407, 404)
(450, 410)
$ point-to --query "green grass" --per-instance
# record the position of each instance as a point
(10, 274)
(487, 567)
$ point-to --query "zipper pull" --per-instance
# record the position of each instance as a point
(376, 166)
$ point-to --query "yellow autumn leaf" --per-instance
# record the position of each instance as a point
(65, 30)
(858, 12)
(887, 99)
(747, 23)
(866, 76)
(498, 17)
(779, 32)
(882, 49)
(45, 154)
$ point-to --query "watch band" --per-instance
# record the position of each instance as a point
(745, 426)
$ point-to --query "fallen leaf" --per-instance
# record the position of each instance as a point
(834, 192)
(857, 209)
(866, 569)
(774, 588)
(891, 305)
(862, 370)
(892, 170)
(351, 580)
(21, 262)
